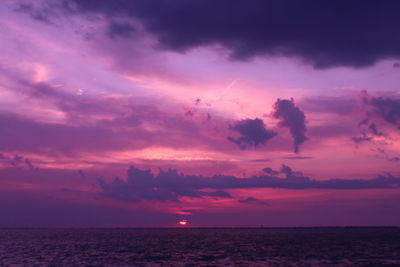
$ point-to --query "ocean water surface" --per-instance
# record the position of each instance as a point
(201, 247)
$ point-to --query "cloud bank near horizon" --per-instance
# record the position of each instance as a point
(169, 185)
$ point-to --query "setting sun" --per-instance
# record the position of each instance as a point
(183, 222)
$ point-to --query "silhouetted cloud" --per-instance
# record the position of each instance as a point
(290, 173)
(171, 186)
(361, 139)
(368, 132)
(216, 194)
(16, 161)
(374, 129)
(305, 29)
(378, 111)
(29, 164)
(292, 117)
(393, 159)
(166, 186)
(387, 109)
(270, 171)
(253, 133)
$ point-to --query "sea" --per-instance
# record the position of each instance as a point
(327, 246)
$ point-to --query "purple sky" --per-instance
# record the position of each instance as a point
(146, 112)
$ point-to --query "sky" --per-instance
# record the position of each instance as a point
(143, 113)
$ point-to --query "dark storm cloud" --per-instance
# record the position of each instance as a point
(120, 30)
(354, 33)
(292, 117)
(253, 133)
(171, 186)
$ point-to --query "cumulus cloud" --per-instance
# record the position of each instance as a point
(171, 186)
(283, 28)
(293, 118)
(253, 133)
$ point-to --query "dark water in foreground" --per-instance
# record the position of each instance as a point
(201, 247)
